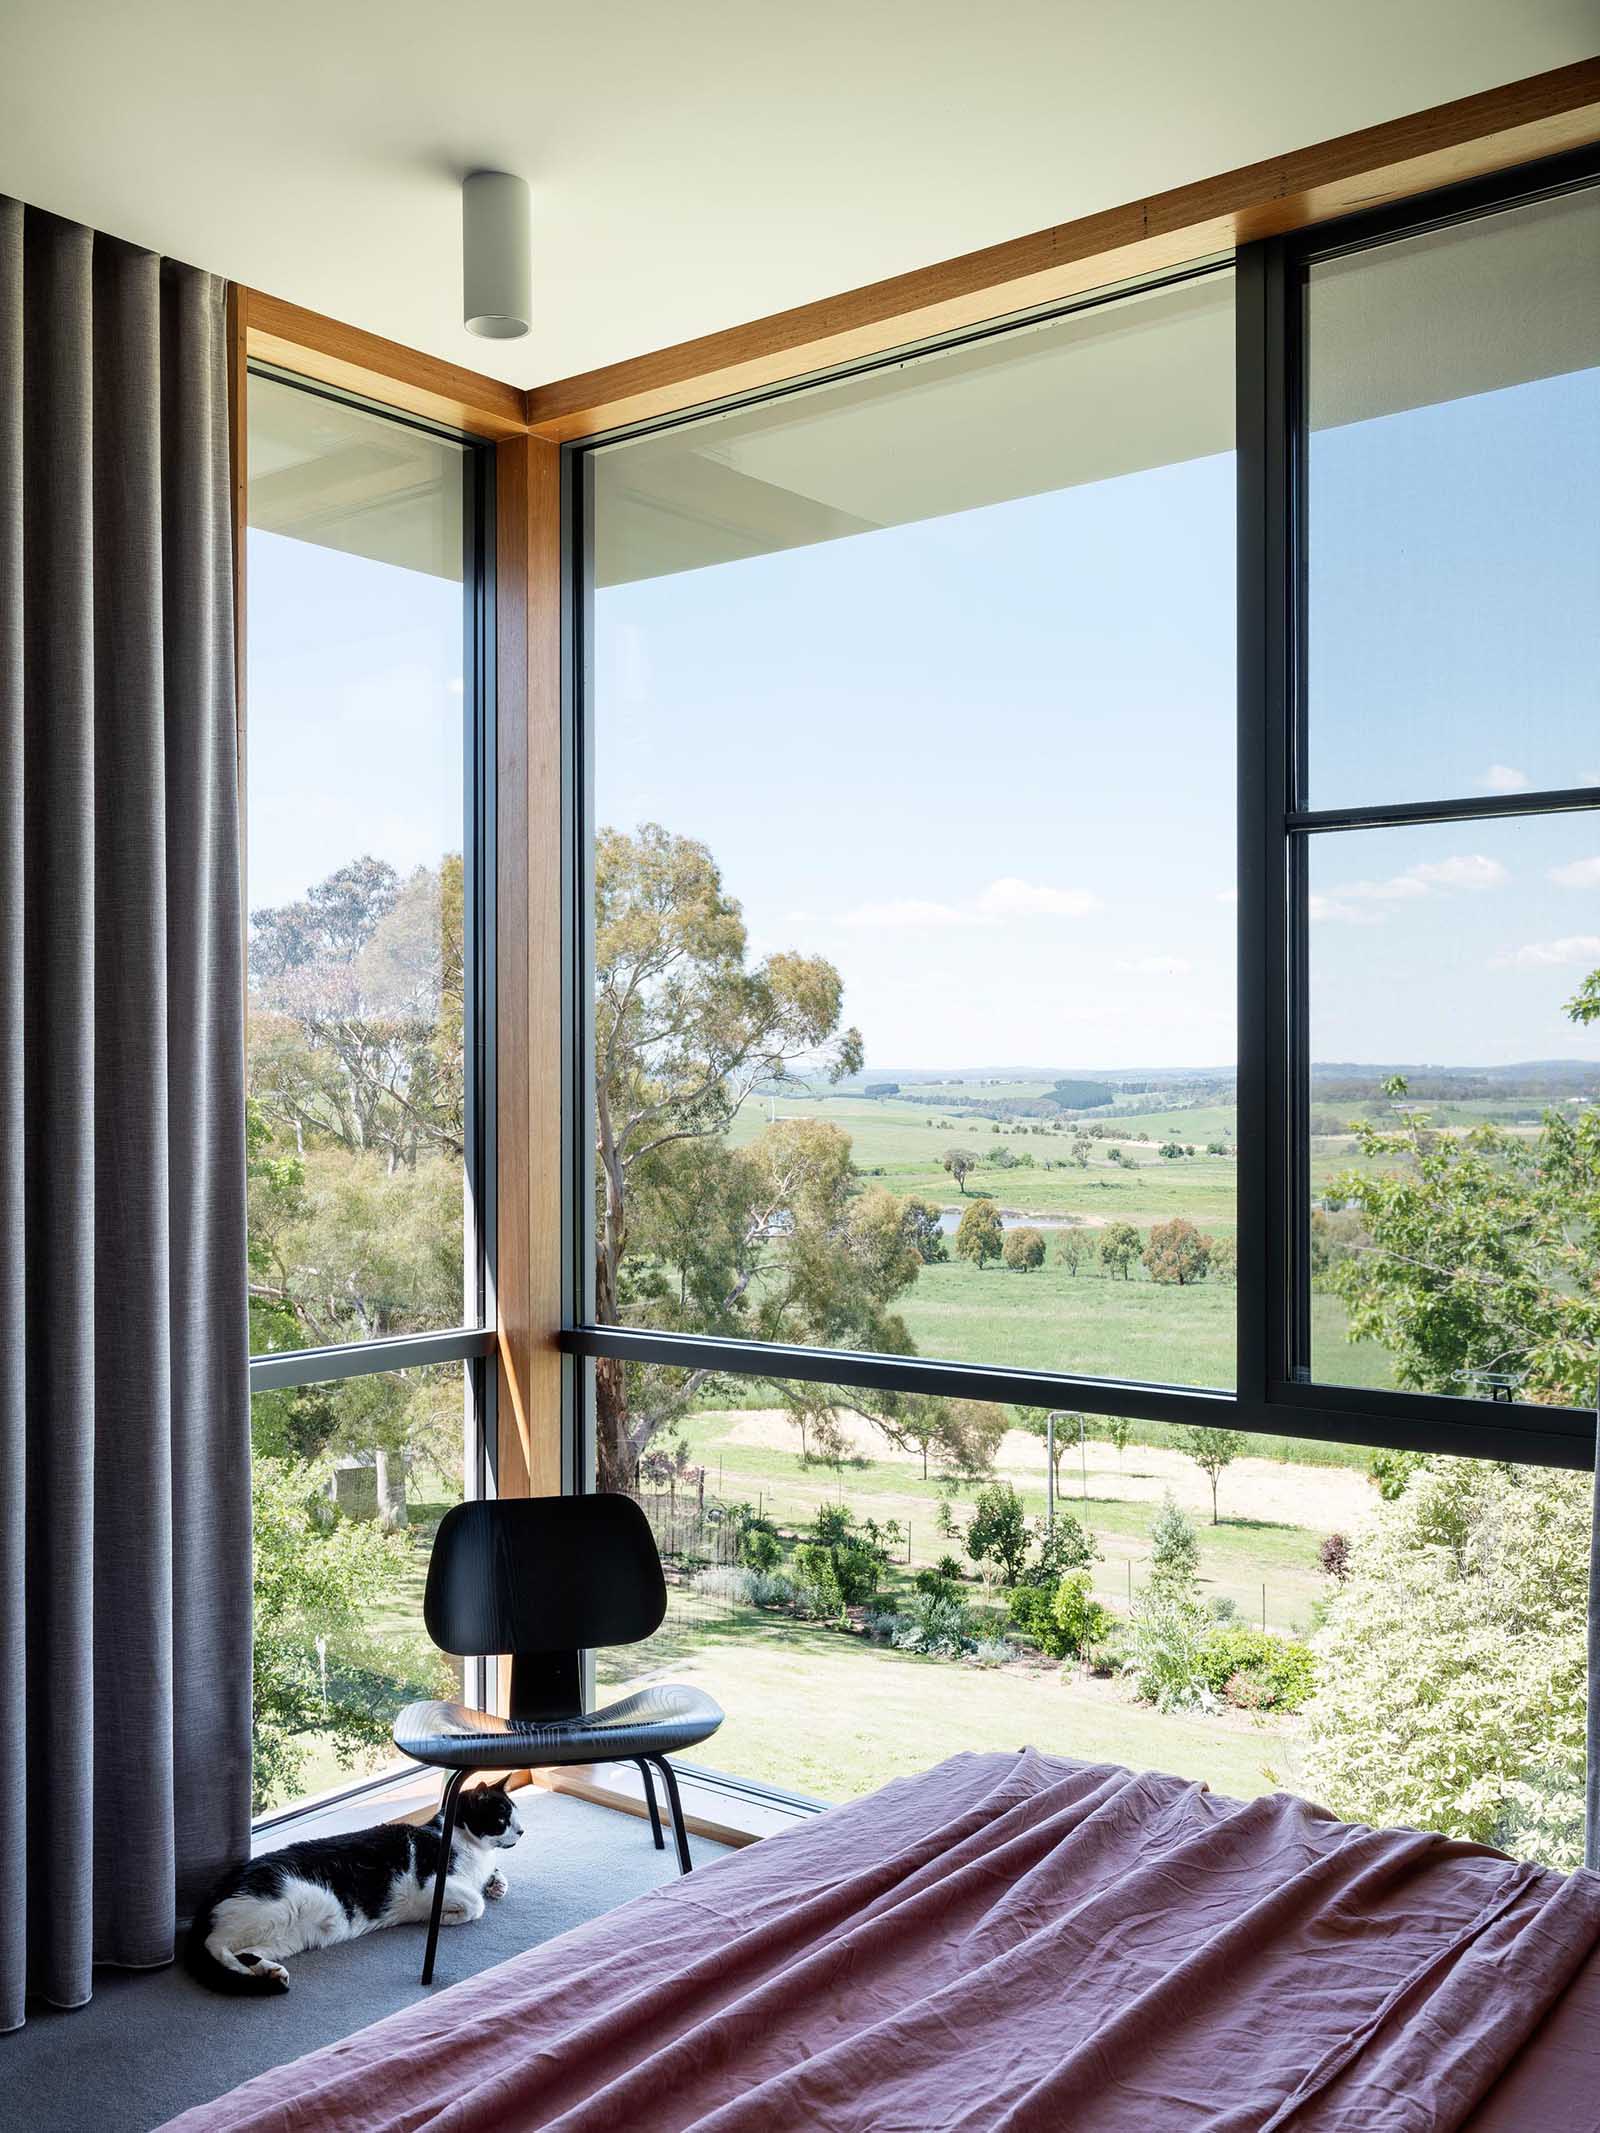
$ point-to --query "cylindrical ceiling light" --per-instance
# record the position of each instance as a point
(497, 255)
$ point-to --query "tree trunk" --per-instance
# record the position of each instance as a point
(1214, 1518)
(391, 1478)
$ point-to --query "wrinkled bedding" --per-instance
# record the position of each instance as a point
(1010, 1943)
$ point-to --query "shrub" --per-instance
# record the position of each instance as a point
(1223, 1608)
(1023, 1249)
(1032, 1611)
(1177, 1252)
(935, 1581)
(1450, 1670)
(1066, 1546)
(882, 1622)
(727, 1583)
(760, 1548)
(1165, 1636)
(769, 1588)
(817, 1589)
(936, 1625)
(1174, 1543)
(831, 1526)
(949, 1568)
(999, 1528)
(993, 1651)
(1257, 1670)
(1334, 1556)
(1081, 1622)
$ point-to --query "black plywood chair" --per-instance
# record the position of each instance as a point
(542, 1579)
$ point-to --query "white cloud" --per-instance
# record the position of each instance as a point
(1328, 911)
(1394, 890)
(1155, 966)
(1578, 874)
(1500, 777)
(1571, 948)
(907, 911)
(1010, 898)
(1467, 870)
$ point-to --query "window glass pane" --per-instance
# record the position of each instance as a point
(1454, 579)
(862, 1605)
(1454, 1129)
(351, 1480)
(355, 848)
(914, 761)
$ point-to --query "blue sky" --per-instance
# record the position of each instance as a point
(985, 762)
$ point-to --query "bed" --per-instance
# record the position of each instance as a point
(1013, 1943)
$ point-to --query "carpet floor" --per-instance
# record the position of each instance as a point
(152, 2044)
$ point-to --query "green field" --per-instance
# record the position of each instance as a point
(1051, 1319)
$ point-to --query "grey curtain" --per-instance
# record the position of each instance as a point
(124, 1410)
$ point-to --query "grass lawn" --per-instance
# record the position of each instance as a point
(828, 1714)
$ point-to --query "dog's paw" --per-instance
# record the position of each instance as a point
(495, 1887)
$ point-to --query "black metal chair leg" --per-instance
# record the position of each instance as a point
(650, 1802)
(675, 1807)
(452, 1793)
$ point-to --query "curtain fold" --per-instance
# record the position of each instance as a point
(124, 1407)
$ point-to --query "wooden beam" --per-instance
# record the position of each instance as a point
(364, 363)
(528, 959)
(1470, 138)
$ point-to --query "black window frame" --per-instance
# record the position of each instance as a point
(1274, 1392)
(472, 1343)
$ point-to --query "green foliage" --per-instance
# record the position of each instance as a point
(949, 1568)
(1082, 1624)
(960, 1162)
(980, 1236)
(686, 1027)
(1167, 1633)
(924, 1231)
(937, 1624)
(998, 1530)
(1178, 1252)
(1067, 1545)
(1392, 1471)
(1451, 1668)
(317, 1574)
(1116, 1429)
(1071, 1247)
(840, 1566)
(1212, 1450)
(1023, 1249)
(1482, 1249)
(1119, 1246)
(759, 1547)
(1031, 1609)
(937, 1581)
(1256, 1670)
(1174, 1544)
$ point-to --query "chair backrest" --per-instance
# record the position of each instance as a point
(543, 1574)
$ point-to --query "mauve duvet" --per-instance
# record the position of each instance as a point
(1010, 1943)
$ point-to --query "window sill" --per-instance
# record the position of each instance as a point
(721, 1809)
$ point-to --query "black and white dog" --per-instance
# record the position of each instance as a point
(330, 1889)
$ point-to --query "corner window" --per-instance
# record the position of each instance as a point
(368, 1119)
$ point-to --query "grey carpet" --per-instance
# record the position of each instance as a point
(151, 2045)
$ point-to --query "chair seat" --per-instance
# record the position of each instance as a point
(653, 1721)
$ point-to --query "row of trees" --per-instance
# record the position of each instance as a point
(1174, 1252)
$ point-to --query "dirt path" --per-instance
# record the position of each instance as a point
(1322, 1498)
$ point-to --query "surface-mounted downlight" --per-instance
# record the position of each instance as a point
(496, 255)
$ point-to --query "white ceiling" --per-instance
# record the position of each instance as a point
(694, 164)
